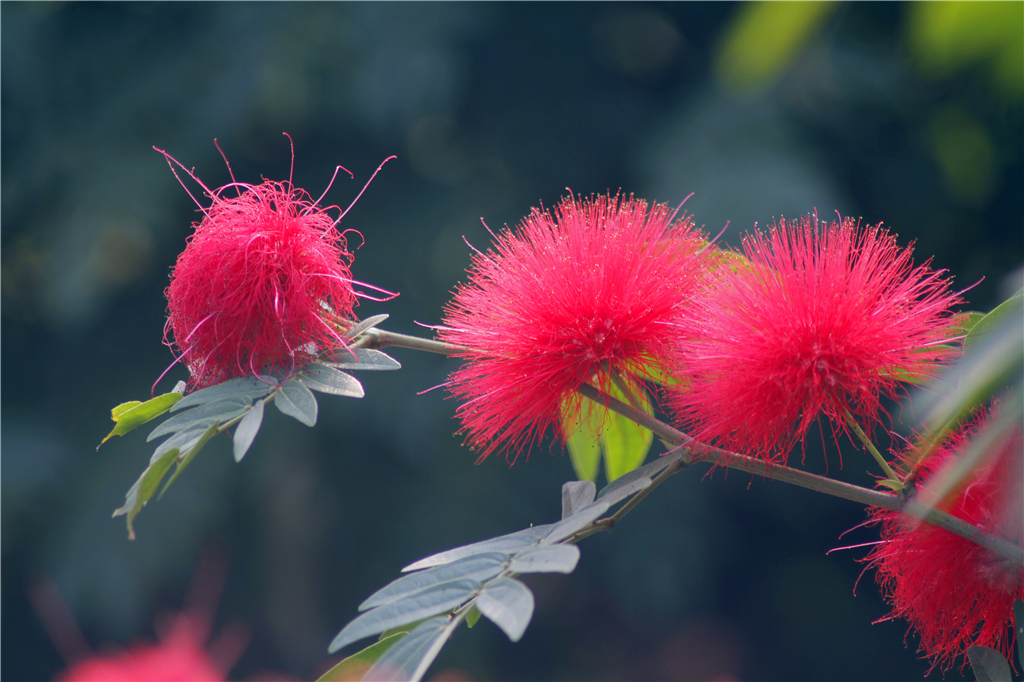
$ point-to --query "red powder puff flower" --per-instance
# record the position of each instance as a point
(601, 287)
(822, 319)
(263, 284)
(954, 592)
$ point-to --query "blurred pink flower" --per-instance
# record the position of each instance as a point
(178, 657)
(954, 592)
(820, 319)
(600, 286)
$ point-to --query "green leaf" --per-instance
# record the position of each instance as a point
(582, 432)
(188, 455)
(508, 604)
(429, 602)
(353, 667)
(508, 544)
(135, 413)
(223, 410)
(366, 359)
(409, 659)
(546, 559)
(988, 665)
(989, 323)
(142, 490)
(295, 400)
(325, 379)
(124, 407)
(890, 484)
(593, 430)
(478, 567)
(625, 442)
(247, 429)
(576, 495)
(250, 387)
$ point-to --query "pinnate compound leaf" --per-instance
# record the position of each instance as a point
(142, 490)
(546, 559)
(578, 521)
(478, 567)
(249, 387)
(247, 429)
(366, 359)
(582, 431)
(988, 665)
(324, 379)
(360, 327)
(429, 602)
(507, 544)
(508, 604)
(576, 495)
(222, 410)
(353, 667)
(132, 414)
(295, 400)
(409, 659)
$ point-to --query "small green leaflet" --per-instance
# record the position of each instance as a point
(136, 413)
(594, 430)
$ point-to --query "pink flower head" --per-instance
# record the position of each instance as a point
(954, 592)
(263, 283)
(601, 287)
(821, 319)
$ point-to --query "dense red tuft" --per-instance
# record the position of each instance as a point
(262, 285)
(601, 285)
(822, 319)
(954, 592)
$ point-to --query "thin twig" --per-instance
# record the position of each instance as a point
(698, 452)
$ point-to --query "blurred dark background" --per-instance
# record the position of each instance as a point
(909, 114)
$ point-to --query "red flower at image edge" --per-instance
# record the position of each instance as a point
(954, 592)
(262, 285)
(821, 319)
(599, 286)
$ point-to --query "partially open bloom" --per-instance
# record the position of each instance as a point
(821, 319)
(263, 284)
(596, 289)
(954, 592)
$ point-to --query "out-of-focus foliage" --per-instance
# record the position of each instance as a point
(944, 38)
(764, 39)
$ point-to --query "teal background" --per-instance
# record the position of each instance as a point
(491, 110)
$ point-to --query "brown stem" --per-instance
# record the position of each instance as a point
(696, 451)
